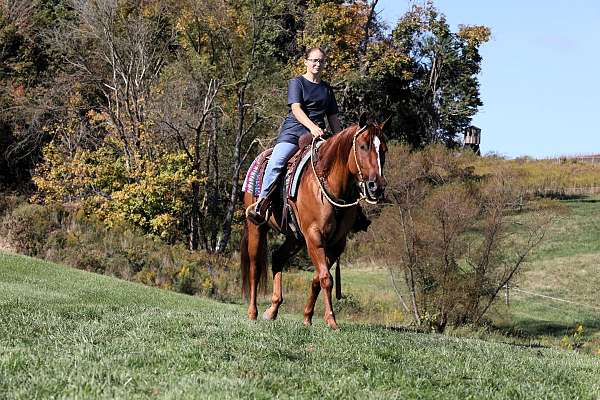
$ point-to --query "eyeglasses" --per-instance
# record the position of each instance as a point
(316, 60)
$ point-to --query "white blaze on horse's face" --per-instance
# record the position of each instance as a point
(377, 143)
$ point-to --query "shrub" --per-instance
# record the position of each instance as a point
(28, 226)
(9, 202)
(70, 237)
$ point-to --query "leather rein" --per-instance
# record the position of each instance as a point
(361, 182)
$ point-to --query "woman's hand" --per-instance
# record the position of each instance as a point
(316, 131)
(304, 120)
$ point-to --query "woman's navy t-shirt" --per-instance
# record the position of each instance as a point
(316, 100)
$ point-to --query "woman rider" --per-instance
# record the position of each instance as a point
(310, 99)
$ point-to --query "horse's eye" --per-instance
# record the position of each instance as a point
(363, 146)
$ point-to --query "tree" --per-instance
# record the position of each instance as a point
(192, 85)
(423, 75)
(27, 83)
(215, 103)
(119, 49)
(444, 90)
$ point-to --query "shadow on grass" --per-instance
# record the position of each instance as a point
(562, 196)
(552, 328)
(579, 199)
(495, 335)
(532, 328)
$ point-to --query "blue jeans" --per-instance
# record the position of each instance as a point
(282, 152)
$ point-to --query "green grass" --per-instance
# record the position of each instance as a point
(65, 333)
(575, 233)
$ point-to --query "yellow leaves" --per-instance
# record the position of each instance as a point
(338, 28)
(152, 196)
(96, 117)
(184, 19)
(474, 35)
(147, 277)
(575, 340)
(165, 225)
(383, 59)
(183, 272)
(151, 9)
(207, 283)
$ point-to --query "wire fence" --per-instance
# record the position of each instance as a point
(590, 306)
(586, 158)
(562, 191)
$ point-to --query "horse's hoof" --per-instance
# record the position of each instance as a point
(252, 316)
(269, 316)
(332, 324)
(307, 322)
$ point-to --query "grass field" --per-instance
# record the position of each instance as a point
(65, 333)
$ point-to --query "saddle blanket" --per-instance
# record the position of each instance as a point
(254, 177)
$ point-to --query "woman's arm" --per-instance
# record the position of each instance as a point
(304, 120)
(334, 123)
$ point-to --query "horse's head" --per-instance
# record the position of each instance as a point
(368, 159)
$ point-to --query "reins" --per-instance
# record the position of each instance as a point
(361, 180)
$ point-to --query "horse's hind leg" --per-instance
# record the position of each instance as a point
(280, 256)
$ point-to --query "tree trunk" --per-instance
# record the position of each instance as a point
(213, 194)
(194, 217)
(235, 176)
(233, 199)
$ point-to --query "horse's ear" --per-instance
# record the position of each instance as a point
(362, 120)
(383, 124)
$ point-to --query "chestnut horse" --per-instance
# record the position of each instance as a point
(351, 158)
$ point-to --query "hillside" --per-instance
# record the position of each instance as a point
(566, 266)
(68, 333)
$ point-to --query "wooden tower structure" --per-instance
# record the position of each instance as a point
(473, 139)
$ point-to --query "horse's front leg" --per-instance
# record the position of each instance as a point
(315, 289)
(318, 255)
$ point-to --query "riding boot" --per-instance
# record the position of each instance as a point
(257, 212)
(361, 222)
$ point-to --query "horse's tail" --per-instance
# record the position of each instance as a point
(245, 261)
(260, 261)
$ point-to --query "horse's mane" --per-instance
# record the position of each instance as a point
(336, 148)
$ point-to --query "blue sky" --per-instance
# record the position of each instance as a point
(540, 78)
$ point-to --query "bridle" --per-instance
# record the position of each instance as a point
(361, 183)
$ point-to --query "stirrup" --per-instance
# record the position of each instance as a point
(254, 216)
